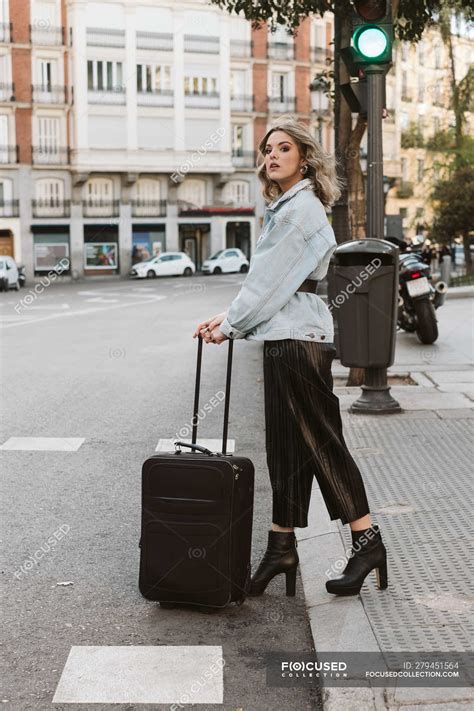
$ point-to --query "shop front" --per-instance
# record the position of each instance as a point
(238, 235)
(101, 250)
(51, 249)
(194, 239)
(148, 241)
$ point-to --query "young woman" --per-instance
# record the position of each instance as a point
(277, 303)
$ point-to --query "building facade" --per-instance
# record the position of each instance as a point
(129, 128)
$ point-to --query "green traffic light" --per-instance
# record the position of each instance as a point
(370, 42)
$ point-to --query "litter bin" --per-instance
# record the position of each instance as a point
(365, 297)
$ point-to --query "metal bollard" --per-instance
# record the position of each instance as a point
(446, 269)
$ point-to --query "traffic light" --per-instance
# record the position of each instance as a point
(371, 35)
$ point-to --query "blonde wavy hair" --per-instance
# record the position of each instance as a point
(327, 186)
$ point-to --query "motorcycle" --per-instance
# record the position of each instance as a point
(21, 275)
(418, 298)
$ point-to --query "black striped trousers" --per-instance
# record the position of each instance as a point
(303, 435)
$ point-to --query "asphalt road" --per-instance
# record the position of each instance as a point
(113, 363)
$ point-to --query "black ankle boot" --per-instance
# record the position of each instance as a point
(368, 553)
(280, 557)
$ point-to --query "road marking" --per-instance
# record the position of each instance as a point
(100, 300)
(82, 312)
(43, 444)
(142, 675)
(49, 307)
(215, 445)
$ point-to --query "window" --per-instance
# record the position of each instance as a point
(404, 169)
(421, 87)
(104, 75)
(404, 85)
(236, 192)
(5, 191)
(237, 140)
(421, 53)
(45, 74)
(49, 192)
(48, 133)
(437, 54)
(3, 131)
(200, 85)
(231, 253)
(147, 190)
(192, 191)
(237, 83)
(403, 212)
(420, 169)
(99, 191)
(153, 78)
(279, 86)
(436, 124)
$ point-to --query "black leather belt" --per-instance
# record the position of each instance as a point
(309, 285)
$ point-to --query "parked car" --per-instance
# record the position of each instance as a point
(225, 261)
(164, 264)
(9, 278)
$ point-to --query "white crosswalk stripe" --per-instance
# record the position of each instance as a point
(168, 674)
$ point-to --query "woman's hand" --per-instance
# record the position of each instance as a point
(209, 329)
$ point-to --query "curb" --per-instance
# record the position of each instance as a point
(338, 624)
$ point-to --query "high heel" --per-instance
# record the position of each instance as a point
(281, 556)
(291, 582)
(382, 576)
(368, 553)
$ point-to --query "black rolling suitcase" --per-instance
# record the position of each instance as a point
(196, 526)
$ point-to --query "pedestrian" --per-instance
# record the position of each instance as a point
(277, 304)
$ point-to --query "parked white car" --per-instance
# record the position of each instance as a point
(164, 264)
(9, 278)
(226, 260)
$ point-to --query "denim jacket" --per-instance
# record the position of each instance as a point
(296, 243)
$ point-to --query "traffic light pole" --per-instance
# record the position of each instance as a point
(374, 197)
(375, 397)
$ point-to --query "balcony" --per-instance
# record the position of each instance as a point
(107, 96)
(49, 155)
(51, 208)
(6, 32)
(43, 34)
(148, 208)
(159, 41)
(48, 94)
(201, 44)
(202, 101)
(281, 50)
(404, 190)
(9, 208)
(9, 154)
(7, 92)
(241, 48)
(101, 208)
(281, 104)
(156, 98)
(103, 37)
(241, 103)
(243, 159)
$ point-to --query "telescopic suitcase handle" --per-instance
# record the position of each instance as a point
(193, 444)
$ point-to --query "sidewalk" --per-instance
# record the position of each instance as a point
(417, 468)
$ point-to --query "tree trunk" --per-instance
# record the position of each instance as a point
(357, 208)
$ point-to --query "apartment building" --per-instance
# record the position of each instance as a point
(419, 99)
(129, 128)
